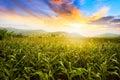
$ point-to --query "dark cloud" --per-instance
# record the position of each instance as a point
(103, 20)
(63, 7)
(38, 7)
(106, 18)
(110, 21)
(115, 21)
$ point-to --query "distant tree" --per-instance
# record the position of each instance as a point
(20, 35)
(4, 34)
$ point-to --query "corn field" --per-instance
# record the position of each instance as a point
(60, 58)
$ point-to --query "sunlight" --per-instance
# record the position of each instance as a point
(75, 28)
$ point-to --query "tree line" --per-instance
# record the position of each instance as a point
(5, 34)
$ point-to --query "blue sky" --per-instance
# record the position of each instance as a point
(92, 6)
(43, 6)
(75, 14)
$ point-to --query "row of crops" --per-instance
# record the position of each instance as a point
(57, 58)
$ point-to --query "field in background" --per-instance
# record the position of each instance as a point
(59, 58)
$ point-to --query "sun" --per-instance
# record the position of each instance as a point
(75, 28)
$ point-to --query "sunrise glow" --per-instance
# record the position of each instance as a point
(56, 15)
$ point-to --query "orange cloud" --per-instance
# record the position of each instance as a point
(75, 17)
(59, 2)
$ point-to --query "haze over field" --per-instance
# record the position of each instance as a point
(85, 17)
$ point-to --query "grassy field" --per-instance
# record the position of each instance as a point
(60, 58)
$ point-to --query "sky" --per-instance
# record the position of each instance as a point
(85, 17)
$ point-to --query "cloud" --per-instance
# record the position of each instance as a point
(45, 8)
(100, 13)
(103, 20)
(115, 21)
(35, 7)
(28, 7)
(108, 21)
(56, 15)
(58, 2)
(50, 12)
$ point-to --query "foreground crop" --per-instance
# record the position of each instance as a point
(56, 58)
